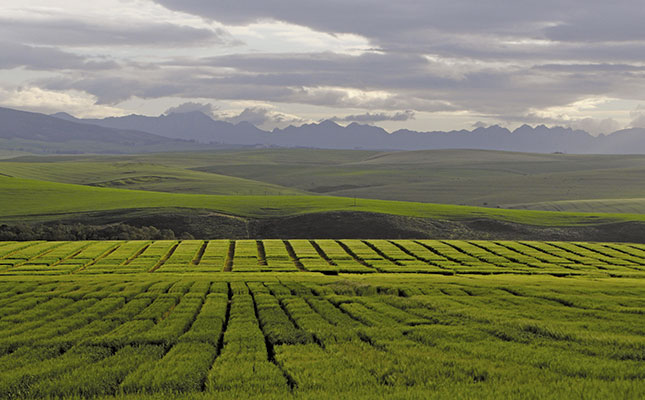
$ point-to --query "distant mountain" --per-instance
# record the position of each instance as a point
(328, 134)
(187, 126)
(33, 132)
(63, 133)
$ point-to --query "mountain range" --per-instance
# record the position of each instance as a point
(62, 133)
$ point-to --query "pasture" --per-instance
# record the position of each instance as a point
(463, 177)
(25, 200)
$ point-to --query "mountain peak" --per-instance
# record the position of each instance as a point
(65, 116)
(328, 123)
(198, 126)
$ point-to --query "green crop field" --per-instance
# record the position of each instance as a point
(280, 335)
(408, 319)
(323, 318)
(331, 257)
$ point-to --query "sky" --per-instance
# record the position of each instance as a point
(417, 64)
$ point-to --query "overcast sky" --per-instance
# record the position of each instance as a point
(417, 64)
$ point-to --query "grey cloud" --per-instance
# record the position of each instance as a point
(600, 21)
(389, 23)
(594, 126)
(62, 32)
(377, 117)
(260, 116)
(638, 117)
(45, 58)
(205, 108)
(519, 33)
(371, 18)
(411, 82)
(586, 68)
(638, 122)
(485, 89)
(494, 58)
(111, 89)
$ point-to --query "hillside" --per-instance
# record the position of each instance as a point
(634, 206)
(33, 201)
(469, 177)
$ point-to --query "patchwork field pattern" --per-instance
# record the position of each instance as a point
(322, 256)
(312, 336)
(321, 319)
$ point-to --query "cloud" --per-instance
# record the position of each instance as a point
(408, 23)
(16, 55)
(48, 102)
(70, 32)
(594, 126)
(638, 117)
(376, 117)
(205, 108)
(262, 117)
(460, 59)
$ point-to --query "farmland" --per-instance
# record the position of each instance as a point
(262, 314)
(305, 193)
(467, 177)
(321, 319)
(31, 200)
(326, 256)
(308, 335)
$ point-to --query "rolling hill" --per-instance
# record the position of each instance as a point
(468, 177)
(31, 201)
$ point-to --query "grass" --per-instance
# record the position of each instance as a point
(137, 175)
(633, 206)
(303, 335)
(25, 198)
(468, 177)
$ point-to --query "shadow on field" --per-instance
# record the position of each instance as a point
(205, 224)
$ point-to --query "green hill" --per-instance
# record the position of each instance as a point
(29, 198)
(633, 206)
(467, 177)
(137, 175)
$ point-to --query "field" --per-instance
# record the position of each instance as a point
(468, 177)
(632, 206)
(329, 257)
(31, 200)
(344, 318)
(308, 335)
(304, 193)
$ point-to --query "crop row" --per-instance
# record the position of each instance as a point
(323, 256)
(90, 338)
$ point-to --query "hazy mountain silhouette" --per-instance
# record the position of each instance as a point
(328, 134)
(27, 131)
(169, 132)
(193, 125)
